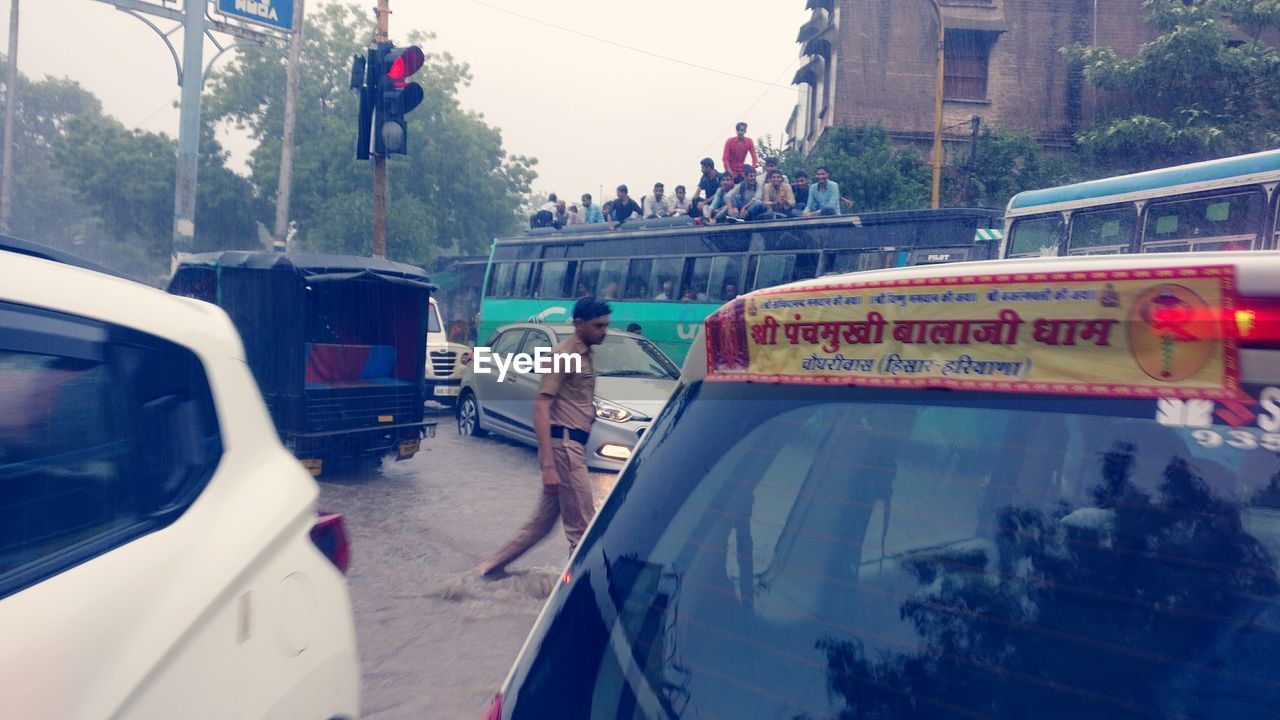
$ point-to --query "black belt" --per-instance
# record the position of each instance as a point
(568, 433)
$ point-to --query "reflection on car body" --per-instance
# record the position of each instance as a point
(633, 381)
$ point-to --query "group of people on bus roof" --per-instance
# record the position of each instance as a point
(736, 193)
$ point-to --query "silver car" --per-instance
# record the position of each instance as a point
(633, 381)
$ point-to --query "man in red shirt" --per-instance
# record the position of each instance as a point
(735, 151)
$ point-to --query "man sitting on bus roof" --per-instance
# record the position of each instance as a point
(657, 205)
(622, 209)
(708, 184)
(746, 197)
(721, 207)
(680, 204)
(777, 197)
(824, 196)
(590, 212)
(800, 188)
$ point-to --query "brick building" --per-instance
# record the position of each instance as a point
(872, 61)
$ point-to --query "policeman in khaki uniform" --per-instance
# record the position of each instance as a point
(562, 417)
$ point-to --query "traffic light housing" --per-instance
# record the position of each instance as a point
(395, 96)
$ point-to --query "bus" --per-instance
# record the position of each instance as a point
(1227, 204)
(667, 275)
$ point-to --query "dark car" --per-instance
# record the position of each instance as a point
(916, 526)
(336, 343)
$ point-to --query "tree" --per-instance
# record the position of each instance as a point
(1007, 162)
(127, 177)
(45, 209)
(871, 172)
(456, 190)
(1208, 85)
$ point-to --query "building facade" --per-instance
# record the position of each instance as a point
(875, 61)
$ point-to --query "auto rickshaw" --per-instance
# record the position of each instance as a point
(336, 343)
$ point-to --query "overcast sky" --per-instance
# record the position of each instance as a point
(593, 113)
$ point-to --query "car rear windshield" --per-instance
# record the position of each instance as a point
(813, 553)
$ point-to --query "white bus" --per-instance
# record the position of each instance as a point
(1227, 204)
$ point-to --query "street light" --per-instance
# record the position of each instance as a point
(937, 110)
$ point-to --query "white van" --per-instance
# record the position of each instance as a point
(445, 360)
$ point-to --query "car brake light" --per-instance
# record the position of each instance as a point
(495, 709)
(1257, 322)
(330, 535)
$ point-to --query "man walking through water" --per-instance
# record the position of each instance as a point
(562, 417)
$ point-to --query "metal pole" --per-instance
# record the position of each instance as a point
(937, 110)
(380, 159)
(184, 203)
(10, 105)
(280, 236)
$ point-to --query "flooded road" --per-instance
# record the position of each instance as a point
(433, 643)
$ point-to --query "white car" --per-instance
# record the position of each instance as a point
(445, 361)
(161, 555)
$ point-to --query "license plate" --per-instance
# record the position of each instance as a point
(447, 389)
(313, 466)
(408, 448)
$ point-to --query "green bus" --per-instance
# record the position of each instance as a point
(667, 275)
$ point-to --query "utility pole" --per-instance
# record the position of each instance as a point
(10, 106)
(937, 108)
(975, 123)
(280, 236)
(192, 81)
(380, 158)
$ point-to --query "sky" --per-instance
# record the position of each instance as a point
(601, 92)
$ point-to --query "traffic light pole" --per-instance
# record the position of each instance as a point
(380, 159)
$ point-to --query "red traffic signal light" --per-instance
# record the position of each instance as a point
(403, 62)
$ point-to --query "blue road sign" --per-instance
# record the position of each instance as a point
(276, 13)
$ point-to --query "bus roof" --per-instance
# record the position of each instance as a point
(681, 226)
(1243, 166)
(1108, 326)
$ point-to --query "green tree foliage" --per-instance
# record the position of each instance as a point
(872, 173)
(1208, 85)
(127, 177)
(44, 209)
(1006, 163)
(456, 190)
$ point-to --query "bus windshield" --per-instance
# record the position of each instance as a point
(919, 554)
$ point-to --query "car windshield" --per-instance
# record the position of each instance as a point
(433, 320)
(621, 356)
(813, 553)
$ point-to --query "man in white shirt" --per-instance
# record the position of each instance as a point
(655, 205)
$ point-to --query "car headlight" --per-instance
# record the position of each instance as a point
(613, 412)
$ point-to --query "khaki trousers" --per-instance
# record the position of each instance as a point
(573, 504)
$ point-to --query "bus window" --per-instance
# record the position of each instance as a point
(773, 270)
(1098, 232)
(501, 282)
(602, 278)
(521, 287)
(1218, 222)
(695, 284)
(856, 261)
(725, 280)
(664, 278)
(1035, 236)
(552, 280)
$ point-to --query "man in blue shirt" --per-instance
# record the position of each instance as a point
(591, 213)
(824, 196)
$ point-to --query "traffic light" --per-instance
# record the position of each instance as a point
(395, 96)
(360, 82)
